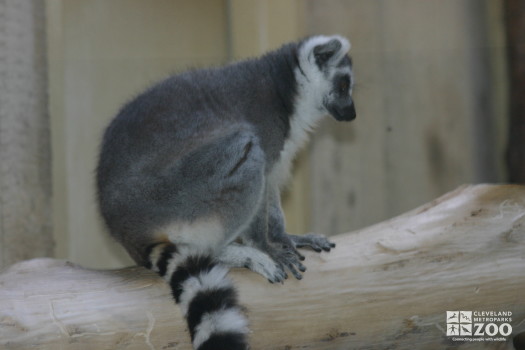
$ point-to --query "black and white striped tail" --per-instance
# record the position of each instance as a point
(205, 295)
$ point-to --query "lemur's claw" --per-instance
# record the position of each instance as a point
(313, 241)
(286, 256)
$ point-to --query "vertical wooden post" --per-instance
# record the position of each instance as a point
(25, 176)
(515, 18)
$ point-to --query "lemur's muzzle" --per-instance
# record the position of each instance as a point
(344, 112)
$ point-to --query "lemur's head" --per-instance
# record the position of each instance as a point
(327, 71)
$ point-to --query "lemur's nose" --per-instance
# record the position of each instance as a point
(347, 111)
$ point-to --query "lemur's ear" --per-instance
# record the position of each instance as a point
(324, 52)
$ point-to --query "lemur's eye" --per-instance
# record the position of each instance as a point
(344, 84)
(325, 57)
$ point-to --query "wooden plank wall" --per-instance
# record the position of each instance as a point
(429, 110)
(25, 155)
(429, 98)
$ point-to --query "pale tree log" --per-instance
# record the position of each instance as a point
(384, 287)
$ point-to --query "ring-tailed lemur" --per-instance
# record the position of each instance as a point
(190, 172)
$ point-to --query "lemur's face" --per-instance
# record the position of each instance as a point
(338, 102)
(327, 67)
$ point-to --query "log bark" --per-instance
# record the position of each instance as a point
(384, 287)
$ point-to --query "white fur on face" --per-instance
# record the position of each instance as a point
(312, 86)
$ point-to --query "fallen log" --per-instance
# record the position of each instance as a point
(387, 286)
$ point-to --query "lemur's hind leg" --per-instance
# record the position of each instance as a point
(267, 235)
(276, 232)
(290, 243)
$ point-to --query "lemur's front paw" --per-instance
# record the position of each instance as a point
(311, 240)
(287, 257)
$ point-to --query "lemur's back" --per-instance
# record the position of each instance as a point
(190, 108)
(191, 165)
